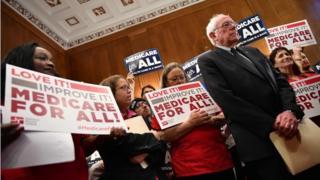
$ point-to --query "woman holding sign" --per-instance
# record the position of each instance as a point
(198, 149)
(33, 57)
(127, 157)
(295, 67)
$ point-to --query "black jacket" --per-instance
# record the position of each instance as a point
(250, 99)
(116, 155)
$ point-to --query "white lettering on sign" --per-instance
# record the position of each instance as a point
(148, 62)
(141, 55)
(250, 31)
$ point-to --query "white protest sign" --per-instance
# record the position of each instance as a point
(308, 95)
(173, 105)
(38, 148)
(47, 103)
(290, 35)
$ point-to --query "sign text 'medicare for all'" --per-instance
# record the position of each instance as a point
(43, 102)
(173, 105)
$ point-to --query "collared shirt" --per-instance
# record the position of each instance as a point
(224, 48)
(228, 49)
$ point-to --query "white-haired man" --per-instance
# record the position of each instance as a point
(255, 99)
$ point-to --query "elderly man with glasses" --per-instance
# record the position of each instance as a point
(255, 98)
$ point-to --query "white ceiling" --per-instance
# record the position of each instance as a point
(71, 23)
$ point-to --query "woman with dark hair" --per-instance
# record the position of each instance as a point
(281, 59)
(127, 157)
(197, 150)
(145, 89)
(33, 57)
(22, 56)
(29, 56)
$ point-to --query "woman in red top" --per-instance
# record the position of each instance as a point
(198, 149)
(281, 59)
(32, 56)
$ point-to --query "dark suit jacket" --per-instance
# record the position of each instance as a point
(250, 99)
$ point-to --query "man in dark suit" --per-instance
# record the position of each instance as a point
(255, 99)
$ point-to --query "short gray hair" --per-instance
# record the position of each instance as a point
(212, 25)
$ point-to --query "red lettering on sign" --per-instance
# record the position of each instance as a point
(31, 76)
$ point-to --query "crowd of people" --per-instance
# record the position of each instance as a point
(252, 90)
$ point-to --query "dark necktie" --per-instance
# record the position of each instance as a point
(244, 59)
(235, 52)
(249, 63)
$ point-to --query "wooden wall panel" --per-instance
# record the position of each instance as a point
(93, 65)
(15, 31)
(140, 41)
(275, 13)
(181, 35)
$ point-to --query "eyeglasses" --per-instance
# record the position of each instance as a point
(140, 104)
(227, 24)
(124, 88)
(177, 78)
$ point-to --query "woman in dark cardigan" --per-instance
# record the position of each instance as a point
(127, 157)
